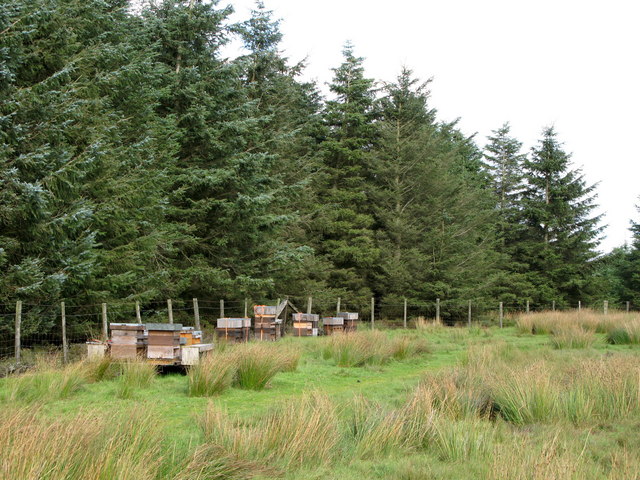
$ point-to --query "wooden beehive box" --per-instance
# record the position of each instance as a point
(264, 315)
(350, 321)
(234, 330)
(268, 331)
(127, 341)
(305, 324)
(332, 325)
(164, 342)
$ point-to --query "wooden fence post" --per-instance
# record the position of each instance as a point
(309, 303)
(17, 332)
(469, 314)
(170, 310)
(527, 306)
(222, 309)
(501, 314)
(405, 312)
(338, 306)
(606, 307)
(437, 310)
(373, 304)
(579, 305)
(65, 346)
(196, 313)
(246, 308)
(105, 326)
(138, 316)
(628, 306)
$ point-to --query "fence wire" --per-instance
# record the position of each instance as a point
(41, 325)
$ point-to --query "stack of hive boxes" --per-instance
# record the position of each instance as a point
(350, 321)
(267, 326)
(305, 324)
(235, 330)
(164, 342)
(127, 340)
(332, 325)
(191, 336)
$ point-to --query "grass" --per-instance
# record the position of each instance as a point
(573, 336)
(135, 375)
(370, 348)
(435, 402)
(249, 366)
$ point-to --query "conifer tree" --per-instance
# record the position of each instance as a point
(504, 163)
(222, 190)
(290, 131)
(344, 225)
(561, 231)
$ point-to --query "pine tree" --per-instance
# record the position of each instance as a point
(561, 232)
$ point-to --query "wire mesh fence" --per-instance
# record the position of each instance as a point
(32, 328)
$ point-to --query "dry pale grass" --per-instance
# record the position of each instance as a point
(300, 431)
(422, 323)
(524, 389)
(371, 348)
(590, 320)
(87, 446)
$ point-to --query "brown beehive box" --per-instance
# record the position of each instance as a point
(331, 329)
(268, 331)
(164, 341)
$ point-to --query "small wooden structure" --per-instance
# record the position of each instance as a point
(305, 324)
(158, 343)
(332, 325)
(350, 321)
(267, 325)
(164, 342)
(235, 330)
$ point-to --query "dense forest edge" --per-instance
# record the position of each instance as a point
(139, 164)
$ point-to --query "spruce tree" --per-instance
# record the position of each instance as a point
(290, 131)
(343, 228)
(504, 162)
(561, 231)
(433, 222)
(222, 190)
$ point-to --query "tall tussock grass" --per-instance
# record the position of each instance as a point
(47, 381)
(135, 375)
(530, 390)
(301, 431)
(588, 320)
(87, 446)
(573, 336)
(371, 348)
(249, 366)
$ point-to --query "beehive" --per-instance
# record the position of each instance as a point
(127, 340)
(267, 326)
(235, 330)
(164, 342)
(305, 324)
(332, 325)
(268, 331)
(350, 321)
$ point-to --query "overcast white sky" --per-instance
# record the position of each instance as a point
(573, 64)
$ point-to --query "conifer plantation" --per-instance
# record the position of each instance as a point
(138, 163)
